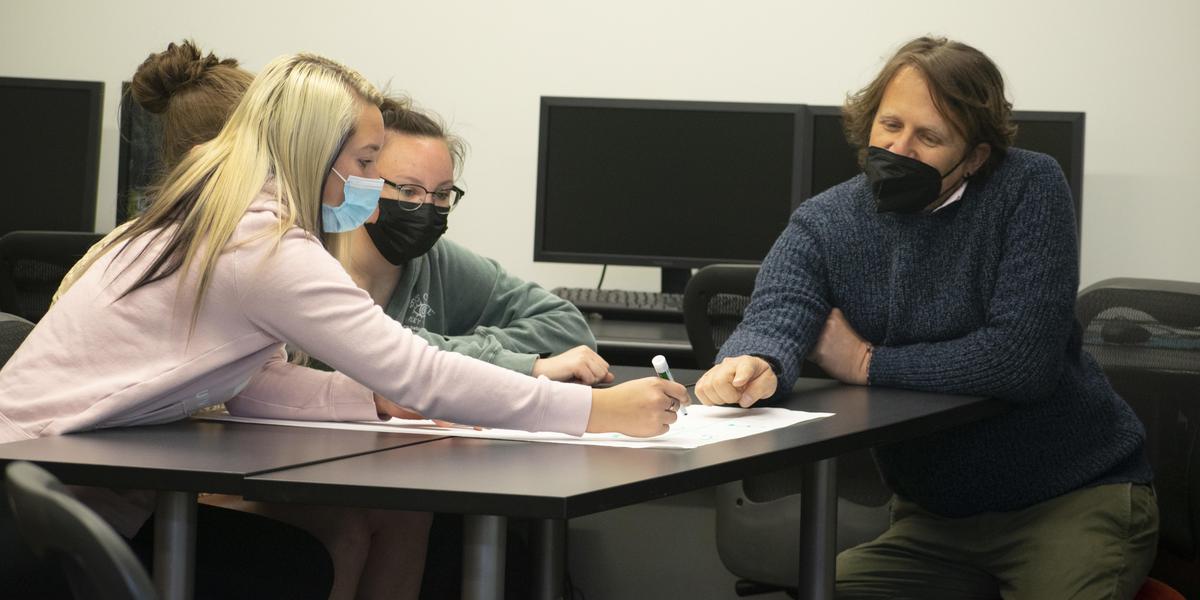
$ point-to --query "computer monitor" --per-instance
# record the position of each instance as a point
(50, 155)
(672, 184)
(139, 159)
(1059, 134)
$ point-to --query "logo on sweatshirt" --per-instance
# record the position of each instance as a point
(418, 310)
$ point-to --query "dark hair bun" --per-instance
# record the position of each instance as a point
(164, 73)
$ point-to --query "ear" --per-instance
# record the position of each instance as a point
(978, 156)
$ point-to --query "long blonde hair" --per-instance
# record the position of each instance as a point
(287, 129)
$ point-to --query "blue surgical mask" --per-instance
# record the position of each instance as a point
(361, 197)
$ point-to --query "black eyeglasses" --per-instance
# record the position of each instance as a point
(412, 196)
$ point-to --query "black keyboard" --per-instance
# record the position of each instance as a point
(624, 304)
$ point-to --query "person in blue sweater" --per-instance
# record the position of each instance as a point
(951, 265)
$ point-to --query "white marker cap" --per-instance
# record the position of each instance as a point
(659, 362)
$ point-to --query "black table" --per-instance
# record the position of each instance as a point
(491, 480)
(181, 459)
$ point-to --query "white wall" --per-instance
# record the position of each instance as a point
(1133, 67)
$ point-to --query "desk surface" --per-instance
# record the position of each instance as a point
(557, 481)
(194, 456)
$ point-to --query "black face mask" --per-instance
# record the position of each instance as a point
(402, 235)
(902, 184)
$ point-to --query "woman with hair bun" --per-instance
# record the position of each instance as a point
(192, 94)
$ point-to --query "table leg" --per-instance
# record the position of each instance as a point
(484, 539)
(175, 545)
(818, 529)
(549, 547)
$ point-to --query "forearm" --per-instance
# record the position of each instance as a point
(499, 318)
(287, 391)
(526, 318)
(1019, 350)
(298, 293)
(988, 362)
(789, 305)
(482, 346)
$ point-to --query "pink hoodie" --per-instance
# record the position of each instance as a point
(97, 361)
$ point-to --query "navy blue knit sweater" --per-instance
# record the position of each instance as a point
(977, 298)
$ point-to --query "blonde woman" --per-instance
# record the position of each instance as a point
(191, 305)
(237, 555)
(375, 553)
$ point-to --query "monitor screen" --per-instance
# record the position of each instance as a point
(50, 158)
(139, 160)
(664, 183)
(1059, 134)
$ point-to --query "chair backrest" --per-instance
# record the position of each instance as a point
(713, 304)
(1145, 334)
(33, 263)
(714, 301)
(96, 560)
(13, 331)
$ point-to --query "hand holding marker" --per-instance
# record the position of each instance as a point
(659, 362)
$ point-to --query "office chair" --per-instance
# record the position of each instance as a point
(713, 303)
(1145, 334)
(96, 561)
(13, 330)
(758, 517)
(33, 263)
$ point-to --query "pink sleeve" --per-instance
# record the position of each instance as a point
(283, 390)
(299, 294)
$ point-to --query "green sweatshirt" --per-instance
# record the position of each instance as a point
(460, 301)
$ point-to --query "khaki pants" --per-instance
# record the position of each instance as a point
(1096, 542)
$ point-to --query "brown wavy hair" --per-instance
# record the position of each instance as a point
(400, 116)
(966, 87)
(193, 94)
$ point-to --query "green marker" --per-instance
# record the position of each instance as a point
(659, 362)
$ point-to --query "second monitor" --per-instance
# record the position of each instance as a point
(671, 184)
(50, 153)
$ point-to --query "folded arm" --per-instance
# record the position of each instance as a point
(1018, 353)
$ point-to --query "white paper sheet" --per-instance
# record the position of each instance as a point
(702, 425)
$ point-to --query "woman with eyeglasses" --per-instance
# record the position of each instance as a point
(454, 299)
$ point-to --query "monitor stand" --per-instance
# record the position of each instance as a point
(674, 280)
